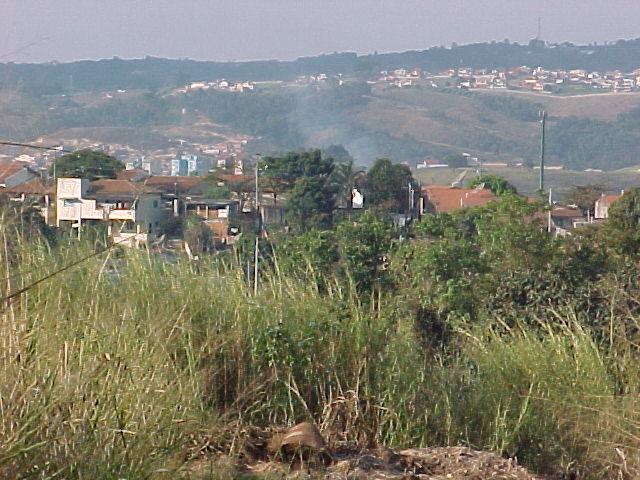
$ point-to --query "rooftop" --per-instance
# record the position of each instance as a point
(133, 175)
(118, 188)
(32, 187)
(607, 200)
(444, 198)
(566, 212)
(173, 185)
(8, 169)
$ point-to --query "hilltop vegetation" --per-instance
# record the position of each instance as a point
(156, 73)
(594, 131)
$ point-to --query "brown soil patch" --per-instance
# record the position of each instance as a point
(256, 457)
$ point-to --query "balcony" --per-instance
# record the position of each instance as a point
(122, 214)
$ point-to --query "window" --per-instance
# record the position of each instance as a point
(67, 202)
(155, 204)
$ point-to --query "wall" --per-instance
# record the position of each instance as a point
(147, 213)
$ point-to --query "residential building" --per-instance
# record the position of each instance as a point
(601, 209)
(37, 193)
(175, 186)
(15, 173)
(132, 212)
(444, 198)
(140, 164)
(564, 219)
(188, 164)
(219, 215)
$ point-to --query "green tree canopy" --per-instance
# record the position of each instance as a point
(364, 246)
(625, 213)
(307, 176)
(311, 203)
(498, 185)
(624, 222)
(455, 161)
(387, 185)
(87, 163)
(584, 196)
(214, 187)
(294, 165)
(344, 178)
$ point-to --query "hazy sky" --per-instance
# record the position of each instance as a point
(64, 30)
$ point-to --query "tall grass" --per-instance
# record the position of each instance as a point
(117, 367)
(111, 368)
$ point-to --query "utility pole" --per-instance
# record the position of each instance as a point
(550, 208)
(258, 232)
(543, 114)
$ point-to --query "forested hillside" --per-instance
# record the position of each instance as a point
(589, 131)
(152, 73)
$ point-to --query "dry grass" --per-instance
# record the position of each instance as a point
(526, 180)
(123, 367)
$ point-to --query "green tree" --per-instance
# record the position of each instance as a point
(345, 178)
(172, 227)
(498, 185)
(455, 161)
(311, 203)
(313, 254)
(198, 235)
(214, 186)
(624, 222)
(387, 185)
(338, 153)
(294, 165)
(307, 177)
(87, 163)
(584, 196)
(364, 246)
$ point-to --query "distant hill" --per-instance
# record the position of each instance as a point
(154, 73)
(408, 124)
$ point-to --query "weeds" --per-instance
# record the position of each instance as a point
(113, 369)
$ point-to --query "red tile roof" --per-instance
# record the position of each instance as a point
(32, 187)
(444, 198)
(133, 175)
(608, 200)
(566, 212)
(169, 184)
(8, 169)
(117, 188)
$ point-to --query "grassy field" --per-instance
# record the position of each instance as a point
(600, 106)
(526, 180)
(128, 366)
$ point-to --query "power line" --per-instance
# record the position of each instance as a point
(57, 148)
(12, 295)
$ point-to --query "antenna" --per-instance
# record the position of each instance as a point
(539, 37)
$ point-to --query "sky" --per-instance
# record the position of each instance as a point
(66, 30)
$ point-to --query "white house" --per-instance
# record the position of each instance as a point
(601, 209)
(132, 212)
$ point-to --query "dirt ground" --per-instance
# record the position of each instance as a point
(271, 455)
